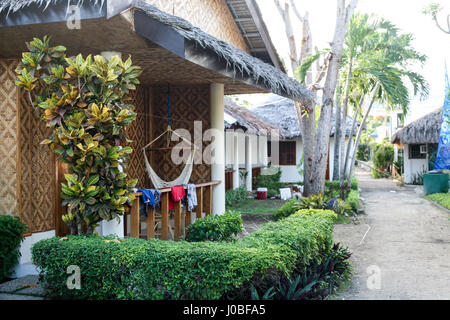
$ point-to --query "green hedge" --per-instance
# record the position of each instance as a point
(215, 228)
(11, 235)
(155, 269)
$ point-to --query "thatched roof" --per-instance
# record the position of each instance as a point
(240, 64)
(237, 60)
(424, 130)
(16, 5)
(281, 113)
(240, 117)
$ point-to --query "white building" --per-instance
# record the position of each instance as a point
(280, 112)
(419, 141)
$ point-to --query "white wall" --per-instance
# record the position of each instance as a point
(413, 166)
(290, 174)
(258, 146)
(25, 267)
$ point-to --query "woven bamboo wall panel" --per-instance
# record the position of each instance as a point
(188, 104)
(212, 16)
(8, 137)
(37, 176)
(139, 133)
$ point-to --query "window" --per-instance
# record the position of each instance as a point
(287, 152)
(414, 152)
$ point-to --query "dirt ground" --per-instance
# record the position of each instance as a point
(401, 248)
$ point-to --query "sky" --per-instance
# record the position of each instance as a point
(406, 14)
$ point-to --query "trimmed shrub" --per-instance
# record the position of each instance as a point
(353, 199)
(293, 205)
(235, 195)
(155, 269)
(215, 228)
(287, 209)
(11, 235)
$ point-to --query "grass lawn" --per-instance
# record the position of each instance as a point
(441, 198)
(255, 206)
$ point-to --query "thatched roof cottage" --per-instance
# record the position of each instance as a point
(201, 59)
(419, 141)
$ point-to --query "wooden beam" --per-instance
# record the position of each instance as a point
(177, 220)
(208, 201)
(187, 219)
(165, 216)
(199, 208)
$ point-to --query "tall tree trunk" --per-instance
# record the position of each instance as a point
(305, 114)
(349, 145)
(344, 123)
(319, 164)
(337, 136)
(358, 136)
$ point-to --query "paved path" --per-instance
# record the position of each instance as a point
(26, 288)
(403, 238)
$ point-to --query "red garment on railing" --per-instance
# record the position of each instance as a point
(177, 193)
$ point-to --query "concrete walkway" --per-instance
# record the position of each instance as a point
(401, 248)
(26, 288)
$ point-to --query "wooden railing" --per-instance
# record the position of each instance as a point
(204, 205)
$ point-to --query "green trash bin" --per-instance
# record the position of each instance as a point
(435, 182)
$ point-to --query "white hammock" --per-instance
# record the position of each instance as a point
(185, 175)
(183, 178)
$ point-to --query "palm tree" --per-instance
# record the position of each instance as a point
(362, 28)
(383, 72)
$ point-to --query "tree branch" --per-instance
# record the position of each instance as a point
(297, 13)
(439, 26)
(280, 9)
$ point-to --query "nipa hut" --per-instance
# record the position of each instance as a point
(419, 141)
(280, 112)
(202, 49)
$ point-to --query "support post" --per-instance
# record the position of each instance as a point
(165, 216)
(248, 163)
(218, 159)
(235, 161)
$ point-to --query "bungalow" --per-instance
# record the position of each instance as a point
(419, 141)
(246, 137)
(280, 112)
(200, 59)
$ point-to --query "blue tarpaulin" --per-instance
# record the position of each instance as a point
(443, 152)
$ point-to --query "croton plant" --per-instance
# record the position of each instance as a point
(85, 101)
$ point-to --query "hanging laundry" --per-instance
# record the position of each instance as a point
(149, 197)
(177, 193)
(191, 197)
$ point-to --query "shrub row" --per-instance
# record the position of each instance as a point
(313, 202)
(215, 228)
(155, 269)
